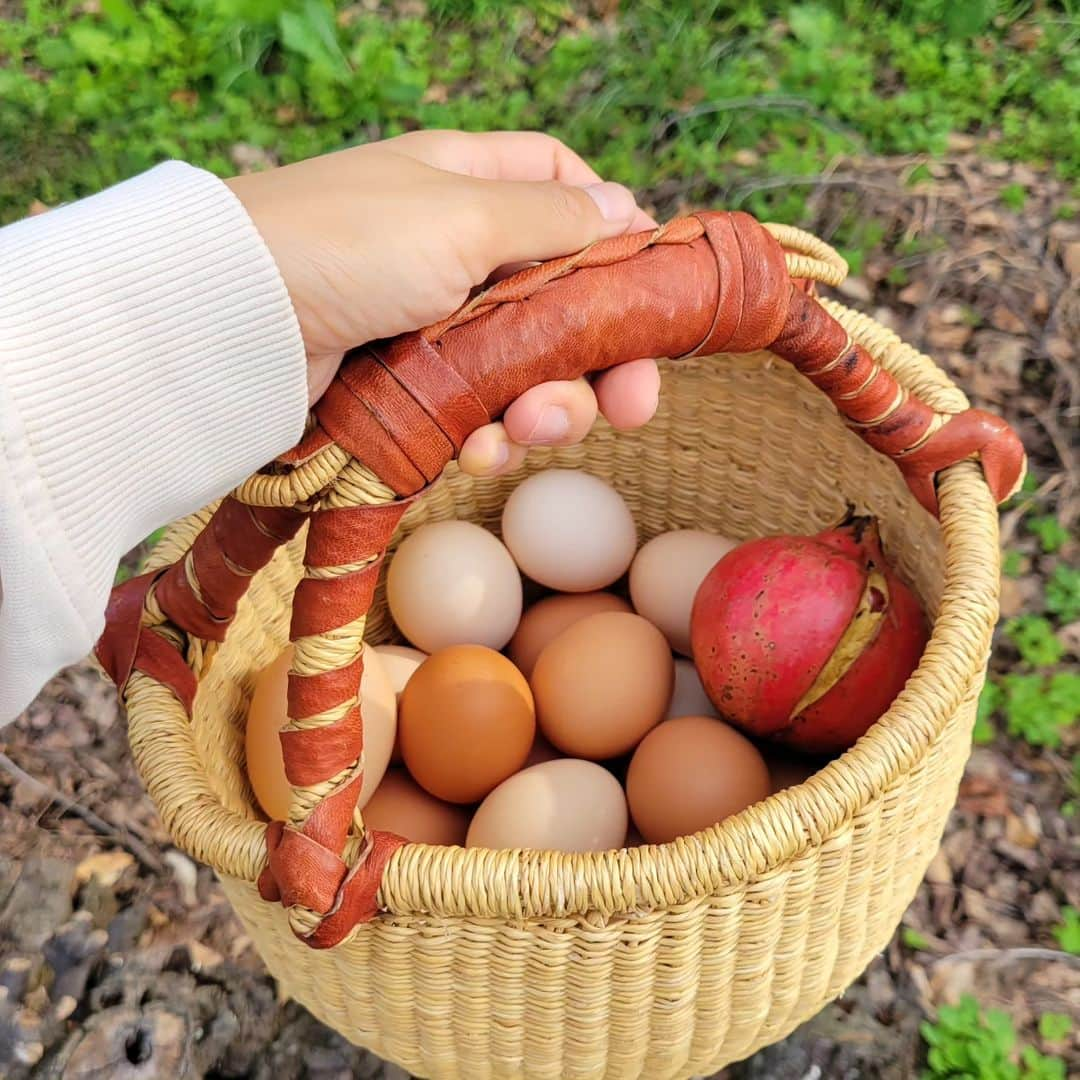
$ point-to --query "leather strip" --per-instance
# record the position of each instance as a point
(322, 605)
(317, 755)
(418, 366)
(346, 535)
(116, 648)
(310, 695)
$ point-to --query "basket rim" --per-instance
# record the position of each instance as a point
(424, 880)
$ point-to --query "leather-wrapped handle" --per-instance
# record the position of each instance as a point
(400, 410)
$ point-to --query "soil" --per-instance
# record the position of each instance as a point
(120, 958)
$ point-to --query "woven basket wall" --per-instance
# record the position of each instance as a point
(656, 962)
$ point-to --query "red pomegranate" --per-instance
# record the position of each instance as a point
(806, 639)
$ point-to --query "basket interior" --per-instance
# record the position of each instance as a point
(742, 446)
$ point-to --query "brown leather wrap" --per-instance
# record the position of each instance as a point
(701, 285)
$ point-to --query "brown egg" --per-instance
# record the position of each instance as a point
(467, 722)
(563, 805)
(399, 662)
(602, 684)
(546, 620)
(689, 773)
(269, 711)
(400, 805)
(787, 770)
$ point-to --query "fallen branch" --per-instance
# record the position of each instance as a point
(1004, 956)
(98, 824)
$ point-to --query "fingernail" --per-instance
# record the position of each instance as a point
(615, 202)
(552, 425)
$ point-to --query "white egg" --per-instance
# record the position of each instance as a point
(666, 575)
(689, 697)
(399, 662)
(453, 583)
(569, 530)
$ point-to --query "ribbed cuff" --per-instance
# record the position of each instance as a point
(150, 359)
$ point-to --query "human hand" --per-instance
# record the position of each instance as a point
(388, 237)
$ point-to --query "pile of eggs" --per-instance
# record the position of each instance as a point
(576, 724)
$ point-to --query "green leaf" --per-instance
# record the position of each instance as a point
(815, 26)
(913, 939)
(990, 700)
(1012, 563)
(119, 12)
(1051, 533)
(91, 43)
(1054, 1026)
(1014, 196)
(1038, 708)
(1068, 933)
(1035, 639)
(1063, 593)
(313, 35)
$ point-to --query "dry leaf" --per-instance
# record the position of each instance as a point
(106, 867)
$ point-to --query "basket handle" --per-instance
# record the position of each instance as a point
(400, 410)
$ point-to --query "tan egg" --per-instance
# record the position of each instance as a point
(400, 805)
(690, 773)
(602, 684)
(467, 722)
(548, 618)
(453, 583)
(269, 711)
(569, 530)
(399, 662)
(689, 697)
(788, 770)
(564, 805)
(665, 577)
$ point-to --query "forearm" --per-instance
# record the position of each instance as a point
(149, 361)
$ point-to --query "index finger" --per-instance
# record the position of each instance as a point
(497, 155)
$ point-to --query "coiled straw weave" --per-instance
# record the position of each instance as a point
(664, 961)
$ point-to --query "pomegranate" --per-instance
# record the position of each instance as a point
(806, 640)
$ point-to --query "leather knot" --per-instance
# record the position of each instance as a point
(127, 645)
(302, 873)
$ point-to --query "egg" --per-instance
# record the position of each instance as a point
(665, 576)
(453, 583)
(569, 530)
(269, 711)
(400, 805)
(564, 805)
(690, 773)
(787, 770)
(467, 721)
(399, 662)
(602, 684)
(689, 697)
(544, 621)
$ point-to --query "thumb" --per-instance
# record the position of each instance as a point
(535, 220)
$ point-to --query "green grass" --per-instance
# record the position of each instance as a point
(970, 1043)
(663, 95)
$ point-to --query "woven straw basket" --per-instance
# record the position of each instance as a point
(657, 961)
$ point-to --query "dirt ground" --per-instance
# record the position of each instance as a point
(120, 958)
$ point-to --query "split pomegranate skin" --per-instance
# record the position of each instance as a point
(807, 640)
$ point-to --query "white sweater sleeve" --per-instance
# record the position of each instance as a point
(150, 359)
